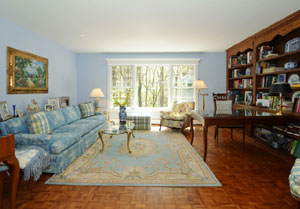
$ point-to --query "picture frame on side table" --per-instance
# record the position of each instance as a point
(48, 107)
(4, 111)
(64, 102)
(19, 112)
(54, 102)
(26, 73)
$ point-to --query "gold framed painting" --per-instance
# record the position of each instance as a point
(26, 73)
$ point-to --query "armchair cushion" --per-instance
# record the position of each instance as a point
(174, 117)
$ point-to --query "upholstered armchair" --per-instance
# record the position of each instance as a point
(179, 117)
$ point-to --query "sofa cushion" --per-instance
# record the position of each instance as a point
(77, 109)
(87, 109)
(79, 127)
(18, 125)
(100, 118)
(70, 114)
(62, 141)
(56, 119)
(41, 140)
(38, 123)
(3, 129)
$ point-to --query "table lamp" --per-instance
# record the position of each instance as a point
(96, 93)
(281, 88)
(199, 84)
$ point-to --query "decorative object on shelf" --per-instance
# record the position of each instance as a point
(4, 111)
(281, 78)
(14, 111)
(248, 71)
(96, 93)
(295, 95)
(54, 102)
(294, 79)
(292, 45)
(19, 112)
(264, 51)
(200, 84)
(248, 98)
(48, 107)
(290, 65)
(34, 107)
(26, 72)
(64, 102)
(281, 88)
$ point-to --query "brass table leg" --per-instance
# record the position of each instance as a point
(132, 133)
(128, 140)
(100, 136)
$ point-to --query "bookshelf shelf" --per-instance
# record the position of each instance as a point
(241, 77)
(296, 70)
(279, 56)
(241, 66)
(263, 88)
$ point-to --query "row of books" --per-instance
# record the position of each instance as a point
(267, 81)
(279, 141)
(266, 100)
(243, 83)
(242, 59)
(296, 105)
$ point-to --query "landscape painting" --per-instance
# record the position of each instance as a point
(26, 73)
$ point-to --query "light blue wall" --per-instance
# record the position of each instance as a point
(62, 65)
(92, 71)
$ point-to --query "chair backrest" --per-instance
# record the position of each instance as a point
(222, 102)
(183, 107)
(7, 147)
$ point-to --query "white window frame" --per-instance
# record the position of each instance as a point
(150, 62)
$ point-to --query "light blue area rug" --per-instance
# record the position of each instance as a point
(163, 158)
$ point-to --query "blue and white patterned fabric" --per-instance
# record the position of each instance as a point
(70, 114)
(294, 179)
(77, 109)
(32, 161)
(3, 129)
(56, 119)
(18, 125)
(69, 138)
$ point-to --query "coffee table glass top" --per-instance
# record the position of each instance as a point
(116, 128)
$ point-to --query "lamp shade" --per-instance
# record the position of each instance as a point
(281, 88)
(96, 93)
(199, 84)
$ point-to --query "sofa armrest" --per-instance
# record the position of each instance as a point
(41, 140)
(164, 113)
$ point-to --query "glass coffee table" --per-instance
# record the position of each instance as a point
(118, 130)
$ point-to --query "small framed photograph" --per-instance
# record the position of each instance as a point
(19, 112)
(54, 102)
(281, 78)
(64, 102)
(4, 111)
(48, 107)
(248, 97)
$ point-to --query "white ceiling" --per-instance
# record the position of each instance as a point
(146, 25)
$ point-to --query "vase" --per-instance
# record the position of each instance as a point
(122, 115)
(14, 111)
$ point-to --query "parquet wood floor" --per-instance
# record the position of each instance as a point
(251, 177)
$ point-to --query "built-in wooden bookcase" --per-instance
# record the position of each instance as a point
(275, 36)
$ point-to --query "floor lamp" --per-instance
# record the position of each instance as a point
(199, 84)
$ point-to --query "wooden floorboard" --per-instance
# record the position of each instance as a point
(251, 177)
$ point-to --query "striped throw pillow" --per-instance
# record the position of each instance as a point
(87, 109)
(38, 123)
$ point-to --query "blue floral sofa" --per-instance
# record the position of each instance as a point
(71, 135)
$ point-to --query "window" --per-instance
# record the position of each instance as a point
(152, 86)
(152, 83)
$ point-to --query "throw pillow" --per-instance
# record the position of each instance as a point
(87, 109)
(17, 125)
(38, 123)
(56, 119)
(70, 114)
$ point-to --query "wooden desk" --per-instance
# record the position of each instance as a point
(236, 117)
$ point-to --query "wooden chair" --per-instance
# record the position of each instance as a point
(222, 105)
(7, 155)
